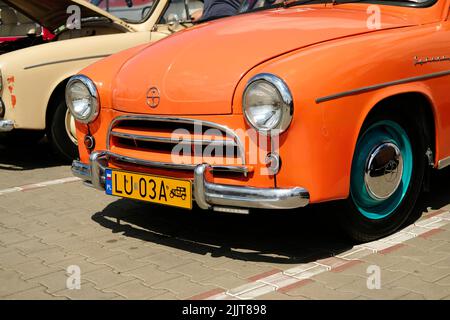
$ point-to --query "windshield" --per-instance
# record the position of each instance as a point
(132, 11)
(250, 5)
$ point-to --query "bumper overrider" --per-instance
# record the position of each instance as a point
(6, 125)
(207, 195)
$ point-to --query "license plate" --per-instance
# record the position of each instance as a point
(155, 189)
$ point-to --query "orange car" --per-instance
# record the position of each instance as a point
(291, 105)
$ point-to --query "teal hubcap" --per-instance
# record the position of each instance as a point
(381, 170)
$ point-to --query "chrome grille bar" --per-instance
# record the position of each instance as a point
(235, 141)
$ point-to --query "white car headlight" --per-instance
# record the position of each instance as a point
(82, 99)
(267, 104)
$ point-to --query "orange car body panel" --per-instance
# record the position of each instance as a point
(318, 50)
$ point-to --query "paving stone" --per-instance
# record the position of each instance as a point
(335, 280)
(182, 287)
(87, 291)
(38, 293)
(359, 287)
(55, 281)
(445, 281)
(77, 260)
(34, 269)
(137, 252)
(51, 255)
(412, 296)
(165, 296)
(121, 263)
(12, 237)
(226, 280)
(275, 295)
(443, 248)
(150, 274)
(29, 246)
(424, 244)
(195, 271)
(135, 290)
(316, 291)
(385, 260)
(106, 278)
(165, 261)
(12, 258)
(95, 251)
(427, 273)
(10, 283)
(415, 284)
(427, 257)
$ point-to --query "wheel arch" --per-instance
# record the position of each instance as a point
(422, 109)
(57, 93)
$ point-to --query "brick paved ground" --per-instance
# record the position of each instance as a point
(129, 250)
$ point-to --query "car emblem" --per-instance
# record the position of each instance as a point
(153, 97)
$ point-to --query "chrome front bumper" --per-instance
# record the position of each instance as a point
(207, 195)
(6, 125)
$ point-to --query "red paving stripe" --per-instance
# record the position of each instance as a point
(436, 213)
(392, 249)
(296, 285)
(264, 275)
(430, 233)
(206, 295)
(346, 265)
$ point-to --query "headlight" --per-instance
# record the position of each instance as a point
(82, 99)
(267, 104)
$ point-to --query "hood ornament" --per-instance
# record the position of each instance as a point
(153, 97)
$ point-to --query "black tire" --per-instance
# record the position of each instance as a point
(58, 136)
(362, 229)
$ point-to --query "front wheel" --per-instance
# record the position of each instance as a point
(386, 178)
(62, 133)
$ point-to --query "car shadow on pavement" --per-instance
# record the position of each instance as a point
(282, 237)
(31, 156)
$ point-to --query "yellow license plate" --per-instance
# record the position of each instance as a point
(166, 191)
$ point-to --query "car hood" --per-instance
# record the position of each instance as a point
(196, 71)
(53, 14)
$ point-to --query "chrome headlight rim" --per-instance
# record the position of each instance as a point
(287, 108)
(90, 85)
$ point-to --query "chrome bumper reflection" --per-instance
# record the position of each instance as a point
(207, 195)
(6, 125)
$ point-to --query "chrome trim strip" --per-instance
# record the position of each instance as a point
(382, 85)
(64, 61)
(443, 163)
(204, 142)
(213, 125)
(82, 171)
(208, 195)
(6, 125)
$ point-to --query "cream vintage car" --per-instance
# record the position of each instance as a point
(33, 80)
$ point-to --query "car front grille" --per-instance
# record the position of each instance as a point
(159, 137)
